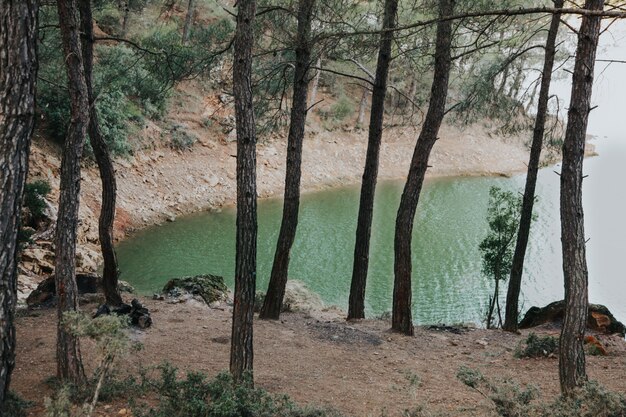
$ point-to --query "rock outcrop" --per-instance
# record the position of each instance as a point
(599, 318)
(88, 284)
(210, 288)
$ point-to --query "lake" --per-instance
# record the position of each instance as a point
(448, 286)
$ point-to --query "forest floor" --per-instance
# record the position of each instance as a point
(359, 368)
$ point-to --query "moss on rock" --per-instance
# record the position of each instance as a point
(210, 287)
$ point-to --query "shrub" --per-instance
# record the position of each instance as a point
(14, 406)
(341, 109)
(34, 195)
(113, 109)
(508, 397)
(181, 139)
(196, 396)
(591, 400)
(537, 346)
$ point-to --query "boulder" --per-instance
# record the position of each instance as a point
(298, 297)
(599, 318)
(210, 288)
(45, 293)
(88, 285)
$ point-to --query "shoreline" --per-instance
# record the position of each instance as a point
(160, 184)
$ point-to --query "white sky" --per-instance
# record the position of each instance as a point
(609, 91)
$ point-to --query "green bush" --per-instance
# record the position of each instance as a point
(341, 109)
(114, 117)
(196, 396)
(537, 346)
(34, 199)
(14, 406)
(181, 139)
(591, 400)
(508, 397)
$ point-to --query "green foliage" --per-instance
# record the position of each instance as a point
(181, 139)
(341, 109)
(175, 62)
(60, 404)
(109, 334)
(129, 83)
(14, 406)
(34, 195)
(509, 398)
(196, 396)
(537, 346)
(497, 247)
(591, 400)
(503, 216)
(108, 331)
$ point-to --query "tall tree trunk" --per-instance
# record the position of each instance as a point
(401, 313)
(18, 75)
(125, 17)
(110, 274)
(280, 268)
(69, 362)
(356, 304)
(188, 20)
(362, 105)
(316, 79)
(241, 351)
(517, 81)
(571, 353)
(517, 266)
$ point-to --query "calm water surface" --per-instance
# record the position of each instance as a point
(448, 285)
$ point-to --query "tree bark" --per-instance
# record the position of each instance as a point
(316, 79)
(69, 362)
(571, 352)
(356, 303)
(362, 105)
(517, 267)
(125, 17)
(188, 20)
(241, 351)
(18, 76)
(110, 274)
(280, 268)
(401, 313)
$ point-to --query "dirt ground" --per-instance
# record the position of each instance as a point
(361, 368)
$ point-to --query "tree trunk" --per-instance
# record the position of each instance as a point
(125, 18)
(110, 274)
(278, 280)
(241, 352)
(18, 75)
(188, 21)
(362, 105)
(517, 266)
(316, 79)
(571, 353)
(356, 304)
(69, 362)
(401, 313)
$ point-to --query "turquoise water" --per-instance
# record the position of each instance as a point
(448, 286)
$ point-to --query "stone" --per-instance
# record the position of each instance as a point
(210, 288)
(599, 318)
(124, 286)
(45, 293)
